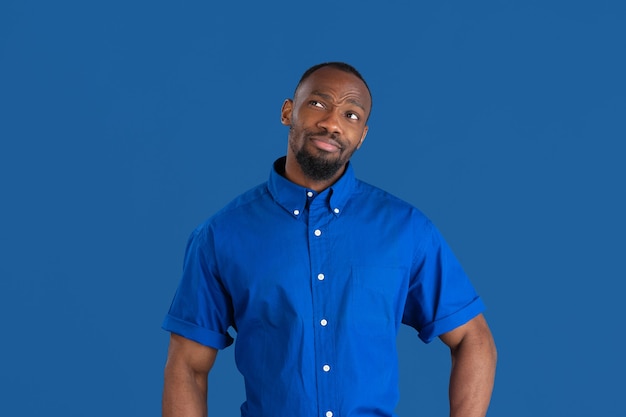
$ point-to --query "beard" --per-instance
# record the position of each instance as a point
(319, 167)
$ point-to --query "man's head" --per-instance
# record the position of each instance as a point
(327, 120)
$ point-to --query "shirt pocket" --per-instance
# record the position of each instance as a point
(374, 294)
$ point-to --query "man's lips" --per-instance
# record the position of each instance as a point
(325, 143)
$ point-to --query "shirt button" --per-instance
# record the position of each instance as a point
(326, 368)
(336, 211)
(329, 414)
(317, 232)
(323, 322)
(321, 277)
(296, 212)
(309, 193)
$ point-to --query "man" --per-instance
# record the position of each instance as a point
(315, 270)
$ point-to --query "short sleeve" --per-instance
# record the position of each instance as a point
(440, 296)
(202, 309)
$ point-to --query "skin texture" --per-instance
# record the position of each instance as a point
(327, 121)
(186, 371)
(474, 356)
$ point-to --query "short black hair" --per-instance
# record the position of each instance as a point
(342, 66)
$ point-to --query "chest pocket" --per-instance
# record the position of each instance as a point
(377, 300)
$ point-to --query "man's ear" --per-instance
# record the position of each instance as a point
(363, 136)
(285, 113)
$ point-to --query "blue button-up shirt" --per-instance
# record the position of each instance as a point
(316, 286)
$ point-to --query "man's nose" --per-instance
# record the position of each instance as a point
(331, 122)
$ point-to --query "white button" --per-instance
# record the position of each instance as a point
(309, 193)
(323, 322)
(336, 211)
(317, 232)
(320, 277)
(329, 414)
(326, 368)
(296, 212)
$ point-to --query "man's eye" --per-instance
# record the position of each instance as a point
(353, 116)
(316, 103)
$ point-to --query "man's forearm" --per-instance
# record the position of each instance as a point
(184, 393)
(472, 377)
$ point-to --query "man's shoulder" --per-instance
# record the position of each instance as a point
(245, 199)
(238, 206)
(378, 196)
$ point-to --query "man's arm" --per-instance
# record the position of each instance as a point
(473, 368)
(185, 388)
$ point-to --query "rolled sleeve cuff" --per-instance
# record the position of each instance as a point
(196, 333)
(451, 322)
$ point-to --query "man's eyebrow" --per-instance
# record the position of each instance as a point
(328, 97)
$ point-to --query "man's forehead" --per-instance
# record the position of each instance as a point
(350, 98)
(328, 79)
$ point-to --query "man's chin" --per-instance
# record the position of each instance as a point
(319, 167)
(325, 159)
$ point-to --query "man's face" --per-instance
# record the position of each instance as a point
(327, 120)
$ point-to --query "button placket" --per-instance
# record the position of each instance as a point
(319, 219)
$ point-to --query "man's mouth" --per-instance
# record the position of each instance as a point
(325, 143)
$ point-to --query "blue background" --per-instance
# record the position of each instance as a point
(124, 124)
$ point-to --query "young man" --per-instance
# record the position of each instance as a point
(316, 270)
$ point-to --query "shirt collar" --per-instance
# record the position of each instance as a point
(293, 198)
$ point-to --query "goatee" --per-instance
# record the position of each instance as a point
(318, 168)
